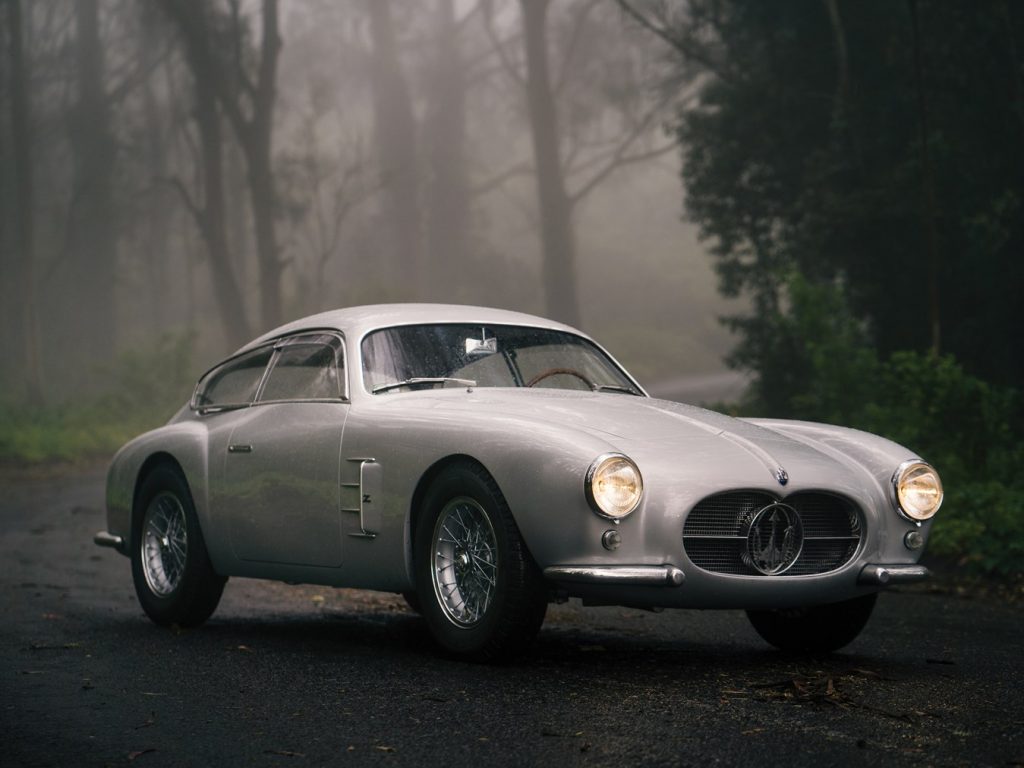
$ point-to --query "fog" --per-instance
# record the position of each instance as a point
(209, 170)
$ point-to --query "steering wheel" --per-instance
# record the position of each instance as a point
(557, 371)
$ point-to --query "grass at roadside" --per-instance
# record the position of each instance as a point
(143, 389)
(73, 434)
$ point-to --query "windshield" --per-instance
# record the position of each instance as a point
(458, 355)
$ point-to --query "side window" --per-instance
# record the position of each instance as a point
(235, 382)
(303, 371)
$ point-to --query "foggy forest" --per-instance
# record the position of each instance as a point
(215, 169)
(822, 197)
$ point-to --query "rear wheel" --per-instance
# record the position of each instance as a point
(821, 629)
(479, 590)
(174, 580)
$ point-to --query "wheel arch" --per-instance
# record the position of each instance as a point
(422, 486)
(154, 460)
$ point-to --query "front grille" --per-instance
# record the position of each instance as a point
(715, 532)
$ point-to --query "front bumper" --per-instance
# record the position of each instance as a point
(638, 575)
(667, 586)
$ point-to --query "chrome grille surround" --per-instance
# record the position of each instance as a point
(718, 528)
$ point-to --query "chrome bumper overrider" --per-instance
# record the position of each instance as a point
(641, 575)
(884, 575)
(104, 539)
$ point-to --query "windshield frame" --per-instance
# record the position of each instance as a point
(357, 372)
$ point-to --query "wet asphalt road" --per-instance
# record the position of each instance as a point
(300, 676)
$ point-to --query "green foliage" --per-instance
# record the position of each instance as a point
(805, 154)
(146, 386)
(805, 167)
(969, 429)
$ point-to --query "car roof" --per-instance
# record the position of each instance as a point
(355, 321)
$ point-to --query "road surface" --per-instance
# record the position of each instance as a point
(303, 676)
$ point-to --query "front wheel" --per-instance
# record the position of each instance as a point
(174, 580)
(479, 590)
(821, 629)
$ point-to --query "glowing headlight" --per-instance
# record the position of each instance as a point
(918, 490)
(613, 486)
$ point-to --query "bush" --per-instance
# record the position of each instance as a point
(971, 431)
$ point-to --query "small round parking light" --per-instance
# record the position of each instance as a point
(611, 540)
(913, 541)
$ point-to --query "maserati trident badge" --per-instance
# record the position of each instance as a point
(782, 476)
(774, 540)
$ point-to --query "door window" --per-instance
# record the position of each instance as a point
(304, 371)
(234, 383)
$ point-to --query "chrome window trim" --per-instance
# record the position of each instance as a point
(205, 409)
(277, 344)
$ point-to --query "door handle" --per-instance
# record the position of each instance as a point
(239, 449)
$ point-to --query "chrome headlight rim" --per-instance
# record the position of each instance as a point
(588, 485)
(897, 478)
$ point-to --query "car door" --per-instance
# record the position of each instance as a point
(281, 482)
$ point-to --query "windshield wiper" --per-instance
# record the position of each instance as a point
(423, 380)
(615, 388)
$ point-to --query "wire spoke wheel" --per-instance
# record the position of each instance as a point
(465, 567)
(164, 543)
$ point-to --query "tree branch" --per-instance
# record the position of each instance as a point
(662, 32)
(506, 63)
(574, 39)
(519, 169)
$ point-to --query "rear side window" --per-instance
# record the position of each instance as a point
(234, 383)
(303, 371)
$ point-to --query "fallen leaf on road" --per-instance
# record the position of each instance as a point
(384, 748)
(151, 720)
(317, 599)
(135, 755)
(283, 753)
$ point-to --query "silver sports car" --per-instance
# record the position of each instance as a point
(484, 463)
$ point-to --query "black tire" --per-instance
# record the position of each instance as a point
(172, 595)
(503, 624)
(821, 629)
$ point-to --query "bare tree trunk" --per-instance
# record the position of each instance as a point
(249, 107)
(24, 221)
(212, 217)
(557, 236)
(256, 137)
(448, 214)
(93, 323)
(395, 132)
(157, 223)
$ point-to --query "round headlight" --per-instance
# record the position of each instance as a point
(918, 490)
(613, 486)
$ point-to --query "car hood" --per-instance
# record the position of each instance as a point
(667, 436)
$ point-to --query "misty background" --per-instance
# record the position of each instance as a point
(223, 167)
(810, 208)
